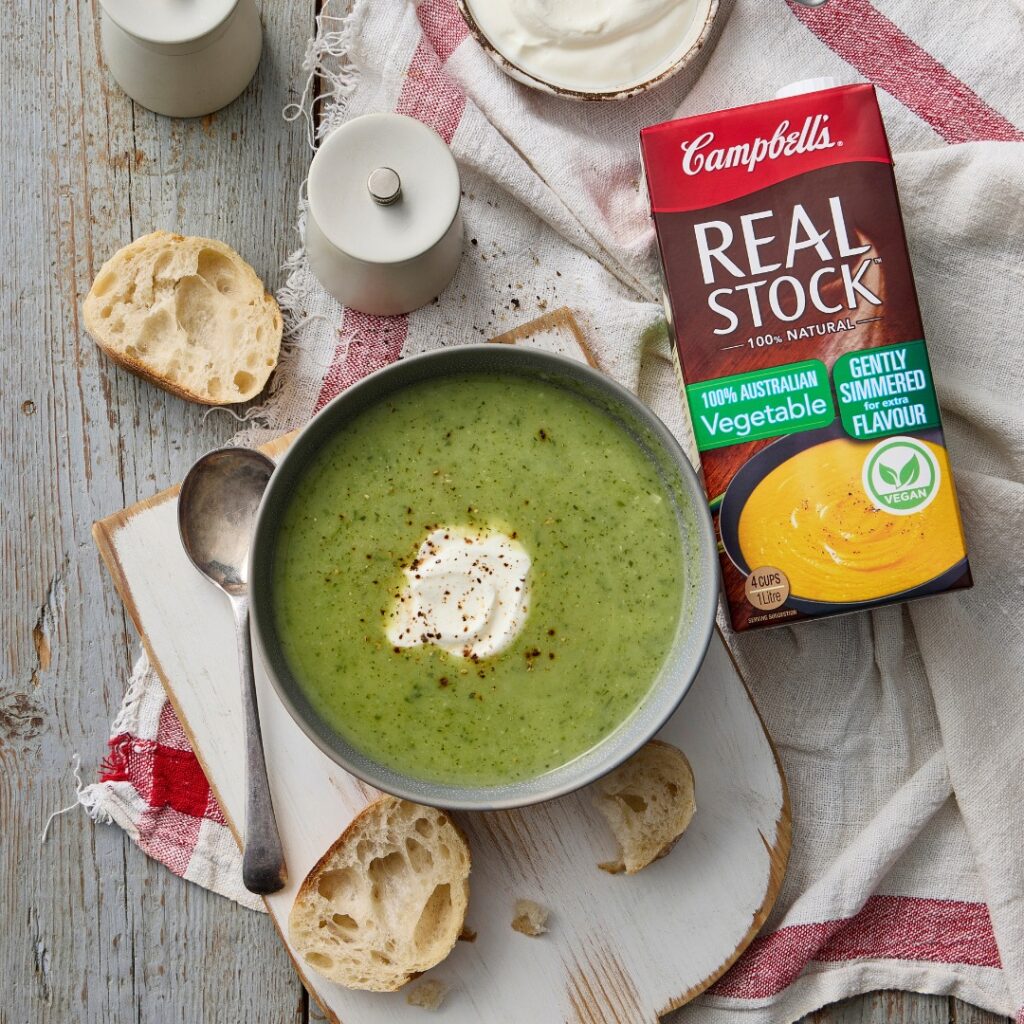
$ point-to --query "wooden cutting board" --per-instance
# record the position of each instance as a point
(621, 950)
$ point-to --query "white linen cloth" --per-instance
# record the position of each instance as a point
(901, 730)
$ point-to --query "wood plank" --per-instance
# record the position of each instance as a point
(885, 1008)
(963, 1013)
(103, 933)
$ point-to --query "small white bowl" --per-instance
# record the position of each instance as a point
(389, 252)
(689, 45)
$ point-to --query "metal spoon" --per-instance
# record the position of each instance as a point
(216, 514)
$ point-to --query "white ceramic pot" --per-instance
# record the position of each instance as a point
(384, 232)
(183, 58)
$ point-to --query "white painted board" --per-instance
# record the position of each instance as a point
(620, 949)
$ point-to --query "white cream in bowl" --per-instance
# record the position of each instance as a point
(590, 46)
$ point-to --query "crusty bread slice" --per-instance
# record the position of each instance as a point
(648, 801)
(189, 315)
(387, 901)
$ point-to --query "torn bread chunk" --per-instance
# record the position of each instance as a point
(187, 314)
(647, 801)
(387, 901)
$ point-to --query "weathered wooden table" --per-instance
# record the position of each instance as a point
(93, 931)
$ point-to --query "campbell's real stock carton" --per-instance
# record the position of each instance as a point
(802, 356)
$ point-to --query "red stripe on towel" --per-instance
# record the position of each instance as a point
(169, 835)
(368, 343)
(430, 94)
(887, 56)
(442, 25)
(164, 776)
(887, 928)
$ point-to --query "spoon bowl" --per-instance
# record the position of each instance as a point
(217, 511)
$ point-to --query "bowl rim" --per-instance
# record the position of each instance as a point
(705, 591)
(515, 71)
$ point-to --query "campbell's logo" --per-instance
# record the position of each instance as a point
(701, 154)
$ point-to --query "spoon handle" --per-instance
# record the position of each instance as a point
(263, 867)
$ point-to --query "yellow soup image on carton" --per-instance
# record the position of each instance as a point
(807, 508)
(801, 353)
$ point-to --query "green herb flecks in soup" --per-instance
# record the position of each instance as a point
(529, 470)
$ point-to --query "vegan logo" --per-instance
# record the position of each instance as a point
(901, 475)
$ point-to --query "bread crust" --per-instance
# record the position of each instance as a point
(310, 880)
(136, 368)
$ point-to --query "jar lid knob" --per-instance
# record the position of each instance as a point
(384, 186)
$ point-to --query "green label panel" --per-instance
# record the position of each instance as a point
(761, 403)
(885, 391)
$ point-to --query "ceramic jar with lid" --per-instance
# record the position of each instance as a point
(183, 58)
(384, 231)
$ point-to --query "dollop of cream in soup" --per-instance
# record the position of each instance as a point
(464, 591)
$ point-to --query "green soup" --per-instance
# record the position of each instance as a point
(480, 452)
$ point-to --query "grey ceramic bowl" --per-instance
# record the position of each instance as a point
(697, 540)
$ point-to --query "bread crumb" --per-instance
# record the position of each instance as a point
(530, 918)
(428, 994)
(467, 934)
